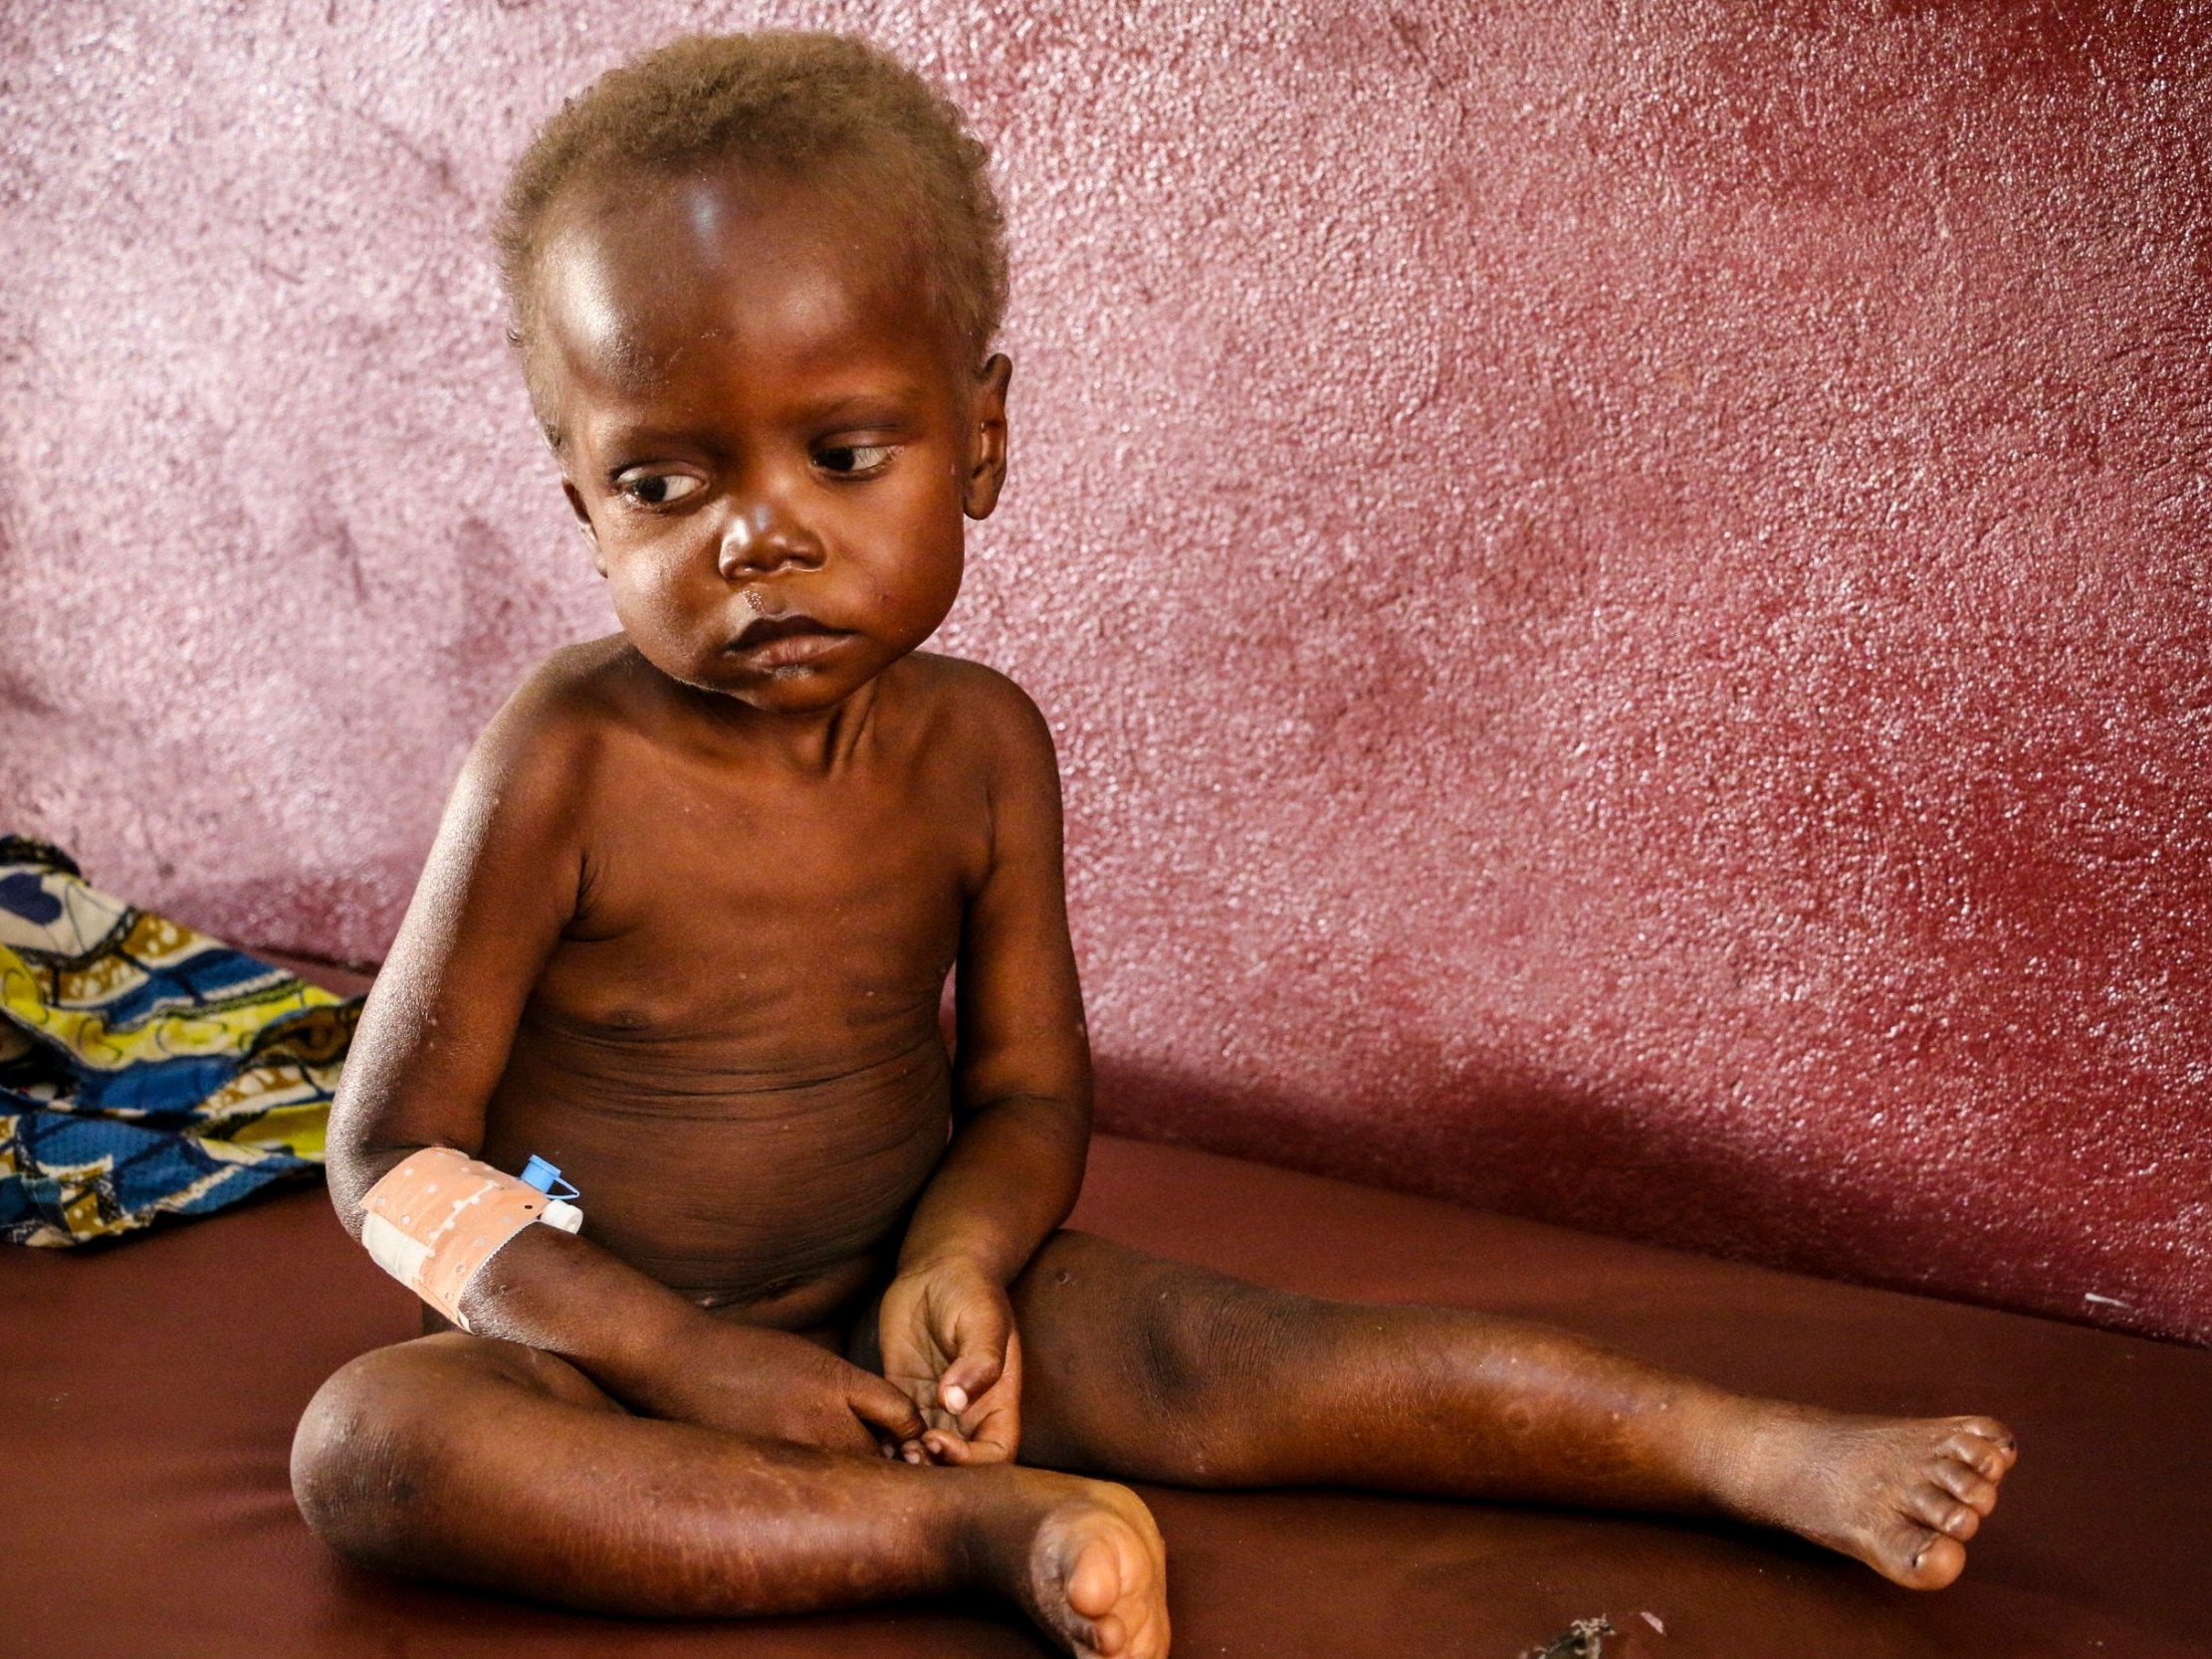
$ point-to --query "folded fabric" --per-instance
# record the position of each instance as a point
(145, 1070)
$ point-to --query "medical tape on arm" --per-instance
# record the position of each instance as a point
(439, 1215)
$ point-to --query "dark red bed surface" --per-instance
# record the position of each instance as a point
(148, 1395)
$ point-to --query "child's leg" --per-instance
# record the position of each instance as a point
(1157, 1371)
(489, 1464)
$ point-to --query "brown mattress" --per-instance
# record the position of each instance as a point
(147, 1396)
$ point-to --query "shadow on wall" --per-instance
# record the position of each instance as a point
(1550, 1150)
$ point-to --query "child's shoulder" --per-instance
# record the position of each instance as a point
(576, 696)
(978, 703)
(587, 681)
(552, 735)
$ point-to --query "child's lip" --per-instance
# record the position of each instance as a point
(788, 640)
(764, 629)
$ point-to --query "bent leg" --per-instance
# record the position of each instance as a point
(1158, 1370)
(493, 1465)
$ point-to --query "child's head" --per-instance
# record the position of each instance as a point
(755, 280)
(826, 110)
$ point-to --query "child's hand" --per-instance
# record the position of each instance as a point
(948, 1339)
(770, 1384)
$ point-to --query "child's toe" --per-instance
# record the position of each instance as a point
(1938, 1510)
(1095, 1585)
(1983, 1444)
(1959, 1521)
(1962, 1483)
(1931, 1561)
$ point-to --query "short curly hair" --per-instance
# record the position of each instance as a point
(797, 102)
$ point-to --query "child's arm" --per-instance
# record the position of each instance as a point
(1024, 1093)
(501, 885)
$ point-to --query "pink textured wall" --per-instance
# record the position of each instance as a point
(1624, 588)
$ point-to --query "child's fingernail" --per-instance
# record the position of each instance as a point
(956, 1398)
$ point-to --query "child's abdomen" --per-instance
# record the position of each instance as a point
(737, 1187)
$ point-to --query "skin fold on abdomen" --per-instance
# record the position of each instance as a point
(784, 1194)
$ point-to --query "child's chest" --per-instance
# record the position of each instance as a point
(727, 905)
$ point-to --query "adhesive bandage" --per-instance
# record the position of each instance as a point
(439, 1215)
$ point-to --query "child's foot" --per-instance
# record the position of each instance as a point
(1092, 1571)
(1901, 1493)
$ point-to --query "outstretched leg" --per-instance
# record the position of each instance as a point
(489, 1464)
(1149, 1369)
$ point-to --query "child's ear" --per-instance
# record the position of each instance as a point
(584, 523)
(986, 470)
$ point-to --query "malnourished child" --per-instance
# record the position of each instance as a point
(685, 931)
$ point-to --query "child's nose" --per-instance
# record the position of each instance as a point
(761, 539)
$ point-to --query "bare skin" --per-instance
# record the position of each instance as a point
(685, 931)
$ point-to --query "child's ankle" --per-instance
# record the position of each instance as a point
(1731, 1444)
(997, 1511)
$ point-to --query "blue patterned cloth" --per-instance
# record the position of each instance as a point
(147, 1070)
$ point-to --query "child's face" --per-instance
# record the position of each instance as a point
(764, 433)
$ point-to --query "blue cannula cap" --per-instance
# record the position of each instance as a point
(545, 1176)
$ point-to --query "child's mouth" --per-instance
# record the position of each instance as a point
(784, 641)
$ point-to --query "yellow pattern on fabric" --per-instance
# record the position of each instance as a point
(145, 1069)
(212, 1030)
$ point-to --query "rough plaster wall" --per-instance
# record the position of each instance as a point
(1624, 587)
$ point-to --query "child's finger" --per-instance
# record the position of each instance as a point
(981, 1333)
(993, 1420)
(994, 1436)
(967, 1379)
(883, 1408)
(948, 1448)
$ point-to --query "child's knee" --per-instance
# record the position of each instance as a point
(353, 1459)
(1210, 1345)
(372, 1443)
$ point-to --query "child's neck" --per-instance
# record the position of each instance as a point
(819, 744)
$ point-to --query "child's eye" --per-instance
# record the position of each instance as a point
(855, 460)
(658, 488)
